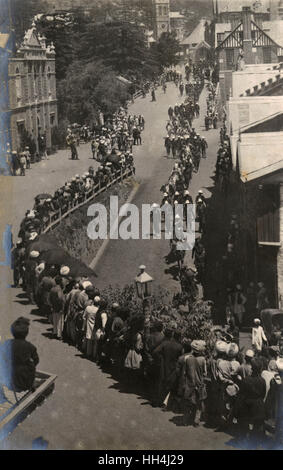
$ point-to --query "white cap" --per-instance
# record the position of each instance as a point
(34, 254)
(64, 271)
(86, 284)
(249, 353)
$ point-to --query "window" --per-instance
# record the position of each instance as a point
(52, 119)
(165, 10)
(18, 86)
(160, 11)
(230, 57)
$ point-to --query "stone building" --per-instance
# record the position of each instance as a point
(32, 91)
(161, 17)
(166, 21)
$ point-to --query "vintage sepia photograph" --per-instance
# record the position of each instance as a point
(141, 227)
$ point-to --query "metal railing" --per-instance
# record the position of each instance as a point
(57, 216)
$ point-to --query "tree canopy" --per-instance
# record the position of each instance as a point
(167, 49)
(90, 55)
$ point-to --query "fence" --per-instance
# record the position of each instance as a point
(56, 217)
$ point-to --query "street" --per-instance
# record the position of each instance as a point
(90, 409)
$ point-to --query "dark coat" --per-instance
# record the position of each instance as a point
(19, 359)
(169, 351)
(249, 405)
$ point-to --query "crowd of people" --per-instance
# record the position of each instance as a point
(114, 138)
(207, 380)
(20, 160)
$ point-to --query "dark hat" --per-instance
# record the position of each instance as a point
(90, 291)
(20, 327)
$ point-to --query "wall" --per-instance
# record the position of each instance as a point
(256, 151)
(32, 100)
(280, 252)
(248, 78)
(248, 110)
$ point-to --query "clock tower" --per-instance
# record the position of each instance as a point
(161, 17)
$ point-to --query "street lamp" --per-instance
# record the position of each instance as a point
(143, 284)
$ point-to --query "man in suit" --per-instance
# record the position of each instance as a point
(168, 353)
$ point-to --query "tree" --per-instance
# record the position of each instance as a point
(121, 46)
(166, 49)
(88, 88)
(61, 31)
(22, 14)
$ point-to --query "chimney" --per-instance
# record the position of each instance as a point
(247, 35)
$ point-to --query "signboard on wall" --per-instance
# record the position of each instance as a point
(244, 114)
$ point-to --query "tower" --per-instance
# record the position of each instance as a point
(161, 17)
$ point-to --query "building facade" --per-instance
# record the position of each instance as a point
(32, 91)
(166, 21)
(245, 43)
(161, 17)
(276, 10)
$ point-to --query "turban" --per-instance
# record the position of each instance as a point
(64, 271)
(85, 284)
(232, 350)
(198, 345)
(249, 353)
(221, 346)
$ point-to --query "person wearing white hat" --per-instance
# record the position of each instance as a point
(34, 254)
(65, 270)
(245, 369)
(195, 372)
(258, 335)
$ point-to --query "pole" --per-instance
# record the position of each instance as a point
(146, 304)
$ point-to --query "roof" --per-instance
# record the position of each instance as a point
(276, 121)
(197, 35)
(4, 40)
(123, 80)
(274, 29)
(176, 14)
(269, 158)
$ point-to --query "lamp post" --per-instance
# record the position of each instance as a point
(143, 283)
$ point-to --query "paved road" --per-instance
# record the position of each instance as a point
(153, 171)
(90, 409)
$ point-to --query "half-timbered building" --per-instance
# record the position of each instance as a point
(245, 43)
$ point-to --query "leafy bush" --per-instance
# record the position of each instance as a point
(195, 325)
(58, 134)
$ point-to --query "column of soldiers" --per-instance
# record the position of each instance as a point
(188, 147)
(211, 117)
